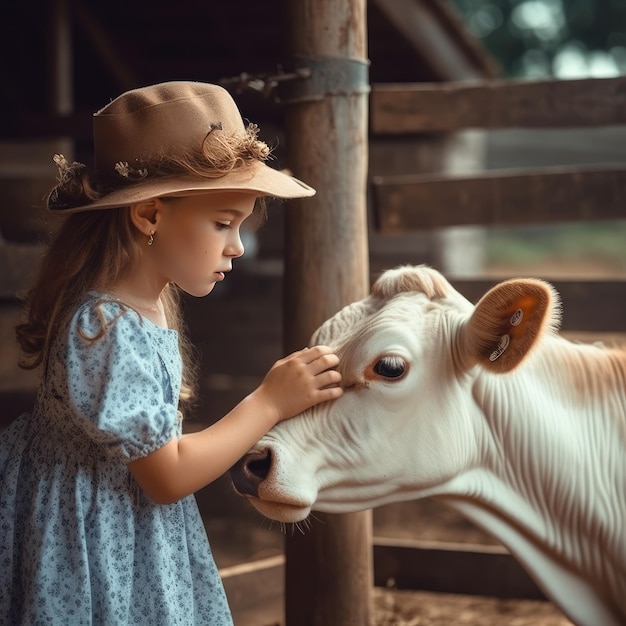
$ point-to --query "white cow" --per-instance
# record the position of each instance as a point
(485, 408)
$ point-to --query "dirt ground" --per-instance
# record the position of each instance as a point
(421, 608)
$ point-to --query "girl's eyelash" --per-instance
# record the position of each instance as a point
(223, 225)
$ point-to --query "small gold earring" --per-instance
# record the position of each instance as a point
(151, 238)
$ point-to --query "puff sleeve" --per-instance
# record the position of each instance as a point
(123, 375)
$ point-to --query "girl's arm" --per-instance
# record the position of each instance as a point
(183, 466)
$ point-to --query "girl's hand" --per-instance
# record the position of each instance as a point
(185, 465)
(301, 380)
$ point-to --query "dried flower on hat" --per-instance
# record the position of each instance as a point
(121, 167)
(131, 173)
(67, 171)
(72, 183)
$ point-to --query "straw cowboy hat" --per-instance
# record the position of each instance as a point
(144, 123)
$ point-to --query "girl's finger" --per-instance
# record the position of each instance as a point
(328, 377)
(316, 352)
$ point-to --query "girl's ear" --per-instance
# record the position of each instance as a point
(145, 216)
(508, 321)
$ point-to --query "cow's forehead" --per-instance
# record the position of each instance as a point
(365, 316)
(392, 288)
(345, 320)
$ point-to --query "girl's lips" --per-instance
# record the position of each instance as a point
(222, 275)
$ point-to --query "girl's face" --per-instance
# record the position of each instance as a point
(197, 237)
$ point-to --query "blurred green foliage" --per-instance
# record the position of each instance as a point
(561, 38)
(601, 242)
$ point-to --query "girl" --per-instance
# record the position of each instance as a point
(97, 517)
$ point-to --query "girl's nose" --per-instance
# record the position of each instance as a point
(234, 247)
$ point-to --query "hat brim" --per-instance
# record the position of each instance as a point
(258, 178)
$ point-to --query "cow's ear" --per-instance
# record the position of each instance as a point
(507, 322)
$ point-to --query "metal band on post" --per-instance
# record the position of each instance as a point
(323, 77)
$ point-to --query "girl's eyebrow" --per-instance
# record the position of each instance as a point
(235, 212)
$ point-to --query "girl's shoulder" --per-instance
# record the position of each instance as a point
(104, 320)
(103, 328)
(99, 312)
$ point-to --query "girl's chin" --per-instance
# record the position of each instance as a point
(199, 293)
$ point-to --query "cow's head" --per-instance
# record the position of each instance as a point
(403, 428)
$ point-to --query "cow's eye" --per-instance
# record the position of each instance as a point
(390, 367)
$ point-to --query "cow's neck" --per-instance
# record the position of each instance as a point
(554, 433)
(572, 590)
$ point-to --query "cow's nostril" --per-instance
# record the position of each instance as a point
(260, 467)
(250, 471)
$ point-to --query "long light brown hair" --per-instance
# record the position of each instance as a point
(91, 251)
(94, 249)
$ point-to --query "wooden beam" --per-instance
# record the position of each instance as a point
(436, 36)
(418, 108)
(451, 568)
(60, 59)
(118, 64)
(499, 197)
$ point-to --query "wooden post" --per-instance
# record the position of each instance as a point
(329, 572)
(61, 88)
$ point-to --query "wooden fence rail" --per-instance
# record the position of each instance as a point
(447, 107)
(499, 198)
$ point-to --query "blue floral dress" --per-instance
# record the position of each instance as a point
(80, 543)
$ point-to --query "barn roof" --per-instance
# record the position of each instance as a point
(71, 57)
